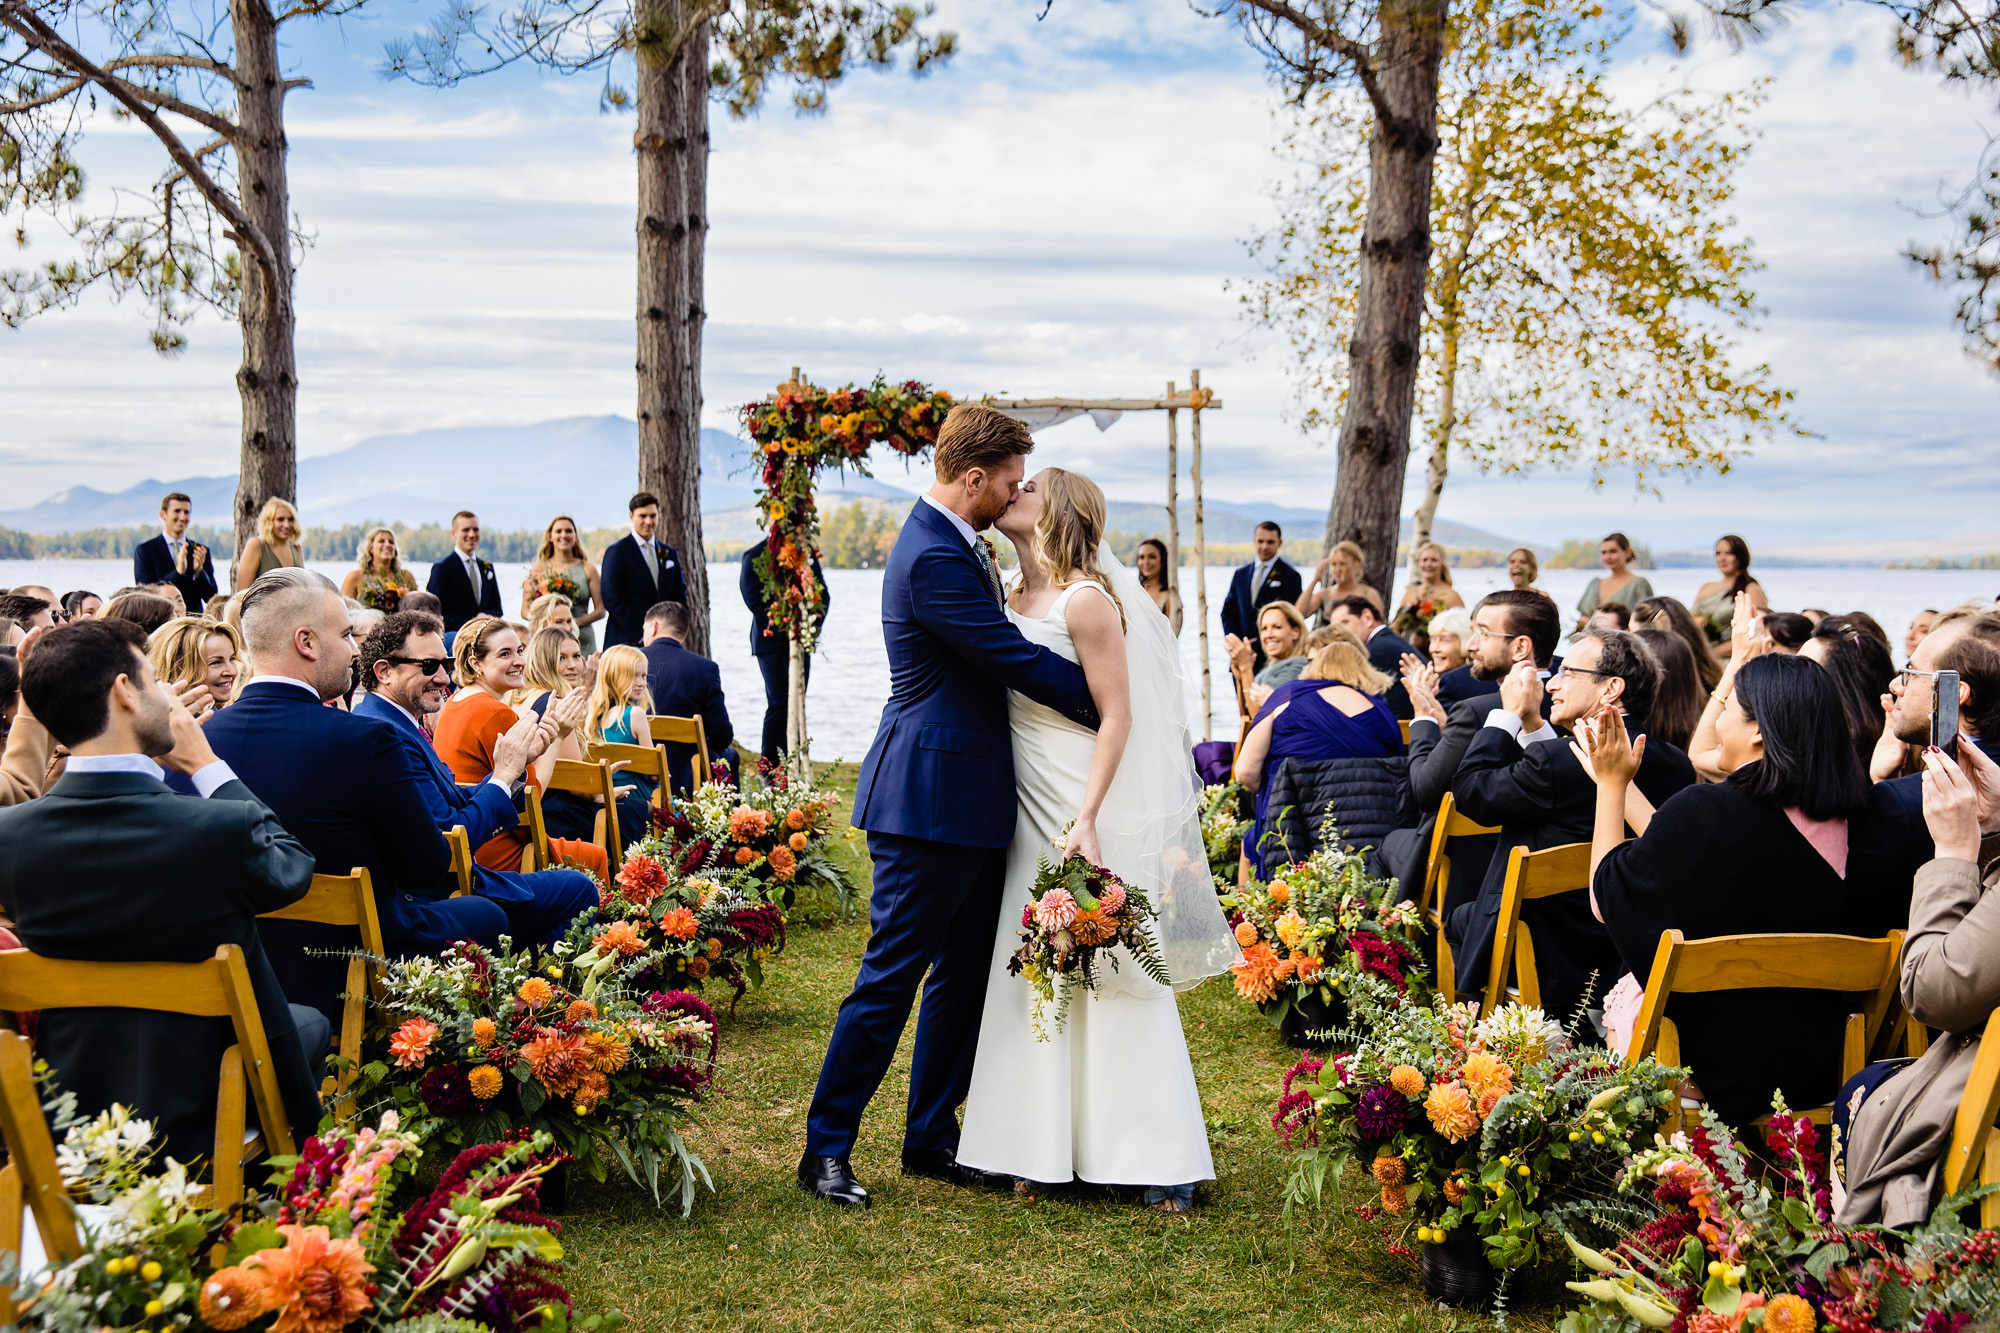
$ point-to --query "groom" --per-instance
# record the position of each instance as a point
(936, 796)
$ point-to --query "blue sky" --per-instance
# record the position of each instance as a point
(1057, 211)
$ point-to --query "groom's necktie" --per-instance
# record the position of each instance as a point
(984, 549)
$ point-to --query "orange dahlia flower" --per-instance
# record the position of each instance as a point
(1246, 934)
(315, 1283)
(1451, 1111)
(486, 1082)
(746, 824)
(1789, 1314)
(484, 1032)
(536, 991)
(1408, 1080)
(798, 842)
(697, 967)
(679, 924)
(1486, 1072)
(621, 938)
(580, 1011)
(1257, 977)
(783, 864)
(1279, 892)
(558, 1061)
(1093, 928)
(744, 856)
(231, 1298)
(642, 879)
(607, 1054)
(412, 1043)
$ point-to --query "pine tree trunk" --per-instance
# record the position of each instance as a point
(267, 381)
(1395, 253)
(694, 91)
(669, 457)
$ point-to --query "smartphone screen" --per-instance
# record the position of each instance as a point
(1944, 711)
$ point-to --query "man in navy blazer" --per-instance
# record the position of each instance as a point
(774, 651)
(462, 582)
(936, 796)
(639, 571)
(174, 557)
(1386, 648)
(685, 684)
(1269, 578)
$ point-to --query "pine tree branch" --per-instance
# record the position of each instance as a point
(69, 86)
(1356, 54)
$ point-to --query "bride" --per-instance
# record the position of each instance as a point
(1111, 1098)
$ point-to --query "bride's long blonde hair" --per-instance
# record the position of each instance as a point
(1068, 531)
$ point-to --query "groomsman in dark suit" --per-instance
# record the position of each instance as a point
(639, 571)
(774, 651)
(1269, 578)
(173, 557)
(462, 582)
(683, 683)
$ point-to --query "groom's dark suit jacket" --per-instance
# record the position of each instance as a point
(942, 766)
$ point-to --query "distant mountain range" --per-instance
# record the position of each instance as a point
(515, 477)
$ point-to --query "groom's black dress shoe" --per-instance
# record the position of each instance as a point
(830, 1179)
(942, 1164)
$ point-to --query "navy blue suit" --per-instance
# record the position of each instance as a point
(630, 589)
(686, 684)
(1385, 654)
(774, 651)
(936, 795)
(539, 904)
(355, 794)
(153, 562)
(1239, 608)
(1459, 683)
(449, 584)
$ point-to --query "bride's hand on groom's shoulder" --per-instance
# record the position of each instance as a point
(1081, 840)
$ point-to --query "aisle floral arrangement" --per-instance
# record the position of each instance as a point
(1222, 830)
(327, 1249)
(1498, 1126)
(485, 1045)
(1312, 933)
(774, 840)
(694, 929)
(1077, 916)
(1733, 1248)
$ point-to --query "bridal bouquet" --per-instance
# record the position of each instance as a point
(1077, 915)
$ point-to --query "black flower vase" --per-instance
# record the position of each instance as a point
(1457, 1272)
(555, 1189)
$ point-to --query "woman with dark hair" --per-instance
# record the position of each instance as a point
(82, 604)
(1156, 577)
(1787, 631)
(1715, 601)
(1764, 851)
(1671, 614)
(147, 610)
(1680, 695)
(1861, 669)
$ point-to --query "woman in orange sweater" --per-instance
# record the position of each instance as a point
(488, 661)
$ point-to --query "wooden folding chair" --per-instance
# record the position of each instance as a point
(30, 1177)
(646, 761)
(1975, 1143)
(461, 859)
(586, 779)
(348, 901)
(1404, 727)
(216, 988)
(1770, 962)
(685, 731)
(1530, 875)
(1437, 879)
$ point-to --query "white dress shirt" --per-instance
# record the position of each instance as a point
(965, 529)
(206, 778)
(173, 544)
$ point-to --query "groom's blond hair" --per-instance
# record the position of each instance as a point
(975, 435)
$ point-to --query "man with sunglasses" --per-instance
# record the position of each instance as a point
(1520, 774)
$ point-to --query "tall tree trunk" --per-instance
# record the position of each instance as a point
(694, 91)
(267, 381)
(1395, 253)
(669, 461)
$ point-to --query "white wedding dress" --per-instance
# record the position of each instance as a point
(1110, 1098)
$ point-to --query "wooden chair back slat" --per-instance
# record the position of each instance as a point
(686, 731)
(349, 901)
(1437, 879)
(460, 842)
(590, 778)
(1972, 1132)
(31, 1158)
(1404, 727)
(1530, 875)
(646, 761)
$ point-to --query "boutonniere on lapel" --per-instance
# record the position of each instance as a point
(991, 552)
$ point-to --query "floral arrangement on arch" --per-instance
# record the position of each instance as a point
(1319, 926)
(327, 1248)
(797, 431)
(1497, 1125)
(774, 839)
(1738, 1244)
(486, 1045)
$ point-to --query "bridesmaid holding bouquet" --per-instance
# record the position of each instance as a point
(563, 567)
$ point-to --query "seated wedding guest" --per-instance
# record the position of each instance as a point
(1617, 584)
(1862, 671)
(1670, 614)
(1386, 648)
(1612, 615)
(1156, 577)
(463, 580)
(619, 708)
(1280, 647)
(1520, 774)
(640, 571)
(1887, 1173)
(1787, 630)
(552, 610)
(217, 606)
(556, 667)
(1715, 601)
(557, 670)
(562, 567)
(81, 605)
(773, 652)
(1523, 569)
(685, 684)
(378, 580)
(112, 866)
(1268, 578)
(427, 602)
(489, 664)
(1333, 712)
(170, 594)
(195, 650)
(25, 614)
(1770, 849)
(405, 674)
(276, 545)
(364, 619)
(1338, 576)
(1511, 626)
(147, 610)
(1920, 625)
(174, 557)
(1449, 630)
(1679, 696)
(25, 760)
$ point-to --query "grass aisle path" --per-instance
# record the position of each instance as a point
(760, 1254)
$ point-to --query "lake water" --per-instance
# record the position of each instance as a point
(850, 677)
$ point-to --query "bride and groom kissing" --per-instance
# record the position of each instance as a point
(1015, 722)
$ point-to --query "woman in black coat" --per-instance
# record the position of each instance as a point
(1764, 851)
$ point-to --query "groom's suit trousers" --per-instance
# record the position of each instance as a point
(934, 909)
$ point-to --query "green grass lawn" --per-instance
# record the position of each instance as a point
(759, 1253)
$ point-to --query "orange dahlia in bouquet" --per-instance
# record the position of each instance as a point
(775, 839)
(1078, 919)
